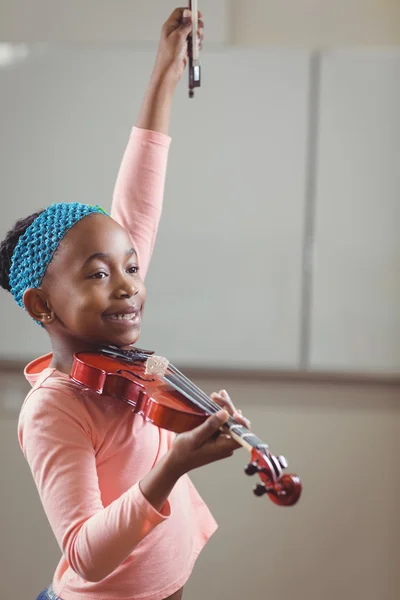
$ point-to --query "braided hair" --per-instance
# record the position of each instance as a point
(7, 247)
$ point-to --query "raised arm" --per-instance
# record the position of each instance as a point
(139, 190)
(138, 195)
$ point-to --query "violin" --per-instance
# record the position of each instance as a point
(193, 50)
(164, 396)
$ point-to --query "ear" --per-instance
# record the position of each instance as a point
(38, 306)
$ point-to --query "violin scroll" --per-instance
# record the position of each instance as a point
(284, 490)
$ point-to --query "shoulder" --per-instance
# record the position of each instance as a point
(53, 401)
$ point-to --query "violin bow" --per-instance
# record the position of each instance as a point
(193, 50)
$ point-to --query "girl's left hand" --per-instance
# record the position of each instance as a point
(222, 398)
(172, 50)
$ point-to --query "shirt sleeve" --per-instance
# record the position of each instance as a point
(139, 190)
(55, 437)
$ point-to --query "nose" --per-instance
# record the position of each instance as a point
(125, 287)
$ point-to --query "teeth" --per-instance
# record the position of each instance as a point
(128, 317)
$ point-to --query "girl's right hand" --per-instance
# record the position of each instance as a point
(172, 51)
(202, 445)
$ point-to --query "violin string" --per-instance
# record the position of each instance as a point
(191, 393)
(202, 398)
(212, 407)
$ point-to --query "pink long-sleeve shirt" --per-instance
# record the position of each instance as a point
(88, 453)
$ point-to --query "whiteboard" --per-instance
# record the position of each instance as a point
(224, 285)
(356, 284)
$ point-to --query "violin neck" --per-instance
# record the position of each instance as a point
(238, 432)
(244, 436)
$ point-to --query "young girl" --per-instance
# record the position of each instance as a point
(115, 488)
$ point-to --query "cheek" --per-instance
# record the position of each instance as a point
(91, 300)
(58, 293)
(74, 302)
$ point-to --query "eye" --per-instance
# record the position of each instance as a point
(133, 270)
(98, 275)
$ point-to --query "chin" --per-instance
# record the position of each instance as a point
(126, 340)
(112, 338)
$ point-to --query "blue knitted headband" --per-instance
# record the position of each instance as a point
(36, 247)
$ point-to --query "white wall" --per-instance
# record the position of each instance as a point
(355, 303)
(316, 23)
(305, 23)
(100, 20)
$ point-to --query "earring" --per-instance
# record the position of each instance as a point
(48, 317)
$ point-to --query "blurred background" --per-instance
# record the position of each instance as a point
(276, 274)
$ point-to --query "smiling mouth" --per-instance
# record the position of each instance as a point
(132, 318)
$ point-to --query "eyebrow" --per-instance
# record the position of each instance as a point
(105, 256)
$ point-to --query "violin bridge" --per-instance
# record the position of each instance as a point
(156, 365)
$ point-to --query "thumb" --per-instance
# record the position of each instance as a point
(186, 24)
(209, 427)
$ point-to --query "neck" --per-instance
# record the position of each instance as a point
(64, 349)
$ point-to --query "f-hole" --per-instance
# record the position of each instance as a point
(121, 371)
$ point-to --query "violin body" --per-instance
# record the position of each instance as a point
(149, 396)
(164, 396)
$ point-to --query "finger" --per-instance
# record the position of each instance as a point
(222, 398)
(206, 430)
(222, 447)
(225, 445)
(223, 403)
(175, 20)
(200, 39)
(186, 22)
(238, 416)
(175, 17)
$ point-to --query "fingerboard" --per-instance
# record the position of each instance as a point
(239, 432)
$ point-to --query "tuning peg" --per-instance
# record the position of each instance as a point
(259, 489)
(251, 468)
(283, 462)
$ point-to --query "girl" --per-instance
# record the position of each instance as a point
(115, 489)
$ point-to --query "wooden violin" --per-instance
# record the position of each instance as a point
(193, 50)
(168, 399)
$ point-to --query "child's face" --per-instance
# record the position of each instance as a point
(92, 281)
